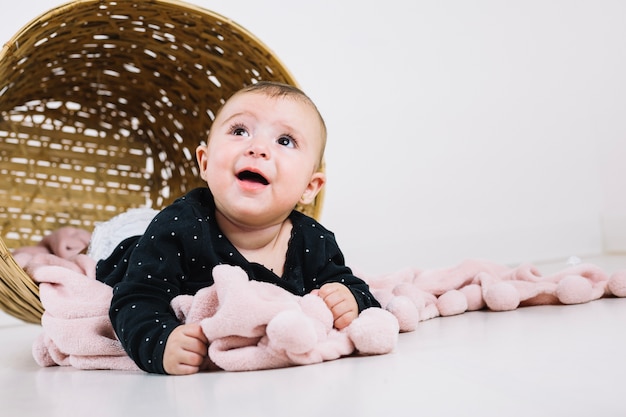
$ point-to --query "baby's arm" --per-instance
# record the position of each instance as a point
(341, 303)
(186, 350)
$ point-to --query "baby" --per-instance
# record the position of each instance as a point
(262, 158)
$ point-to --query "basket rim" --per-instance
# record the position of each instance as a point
(59, 10)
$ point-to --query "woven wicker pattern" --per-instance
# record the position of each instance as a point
(19, 295)
(102, 104)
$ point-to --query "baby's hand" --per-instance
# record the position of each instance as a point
(341, 303)
(186, 350)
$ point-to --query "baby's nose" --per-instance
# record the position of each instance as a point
(258, 149)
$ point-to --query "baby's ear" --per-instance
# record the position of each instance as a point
(202, 153)
(318, 179)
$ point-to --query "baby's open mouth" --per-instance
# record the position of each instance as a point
(252, 177)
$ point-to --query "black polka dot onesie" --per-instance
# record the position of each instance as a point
(176, 255)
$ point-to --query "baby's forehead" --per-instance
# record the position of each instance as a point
(251, 101)
(243, 97)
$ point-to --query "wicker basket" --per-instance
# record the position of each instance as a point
(102, 104)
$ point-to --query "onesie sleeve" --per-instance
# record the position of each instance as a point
(335, 270)
(153, 271)
(323, 262)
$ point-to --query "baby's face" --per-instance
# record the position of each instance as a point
(262, 157)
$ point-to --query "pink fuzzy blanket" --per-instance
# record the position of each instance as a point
(254, 325)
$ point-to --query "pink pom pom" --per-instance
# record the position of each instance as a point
(474, 295)
(293, 331)
(574, 289)
(617, 284)
(451, 303)
(374, 332)
(502, 297)
(405, 312)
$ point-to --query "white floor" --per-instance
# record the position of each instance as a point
(534, 361)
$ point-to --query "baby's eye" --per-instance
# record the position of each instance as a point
(286, 141)
(238, 131)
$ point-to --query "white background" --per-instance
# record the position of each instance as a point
(492, 129)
